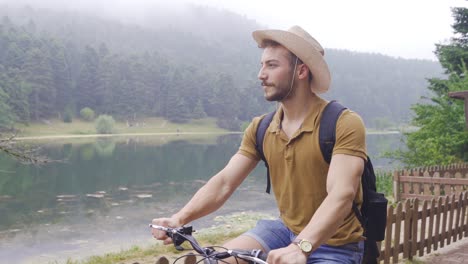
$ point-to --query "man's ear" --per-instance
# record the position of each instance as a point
(304, 71)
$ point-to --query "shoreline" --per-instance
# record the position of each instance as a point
(71, 136)
(122, 135)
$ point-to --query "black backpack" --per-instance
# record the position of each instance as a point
(373, 213)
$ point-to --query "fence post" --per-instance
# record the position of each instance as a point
(451, 228)
(388, 235)
(465, 218)
(436, 185)
(396, 186)
(414, 228)
(407, 186)
(458, 216)
(422, 237)
(407, 231)
(396, 242)
(431, 239)
(427, 186)
(444, 221)
(458, 188)
(437, 226)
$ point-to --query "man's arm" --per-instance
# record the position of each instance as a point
(217, 190)
(212, 195)
(344, 177)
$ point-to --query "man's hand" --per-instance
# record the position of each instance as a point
(291, 254)
(167, 222)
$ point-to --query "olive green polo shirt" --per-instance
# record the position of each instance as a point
(298, 171)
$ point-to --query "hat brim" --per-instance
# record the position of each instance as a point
(303, 50)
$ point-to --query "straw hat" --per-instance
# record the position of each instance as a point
(306, 48)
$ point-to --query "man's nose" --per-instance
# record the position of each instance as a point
(261, 74)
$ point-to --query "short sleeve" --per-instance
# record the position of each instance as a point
(350, 135)
(247, 147)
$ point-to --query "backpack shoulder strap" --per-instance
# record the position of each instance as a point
(327, 130)
(327, 138)
(259, 137)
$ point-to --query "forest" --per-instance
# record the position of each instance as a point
(55, 63)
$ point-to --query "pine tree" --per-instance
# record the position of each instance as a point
(38, 74)
(85, 92)
(62, 79)
(18, 90)
(7, 116)
(442, 137)
(177, 109)
(198, 111)
(107, 81)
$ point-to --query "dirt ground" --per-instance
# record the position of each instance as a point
(456, 252)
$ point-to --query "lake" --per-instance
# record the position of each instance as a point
(102, 193)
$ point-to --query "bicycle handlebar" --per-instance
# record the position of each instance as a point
(184, 233)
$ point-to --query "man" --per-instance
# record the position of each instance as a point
(316, 223)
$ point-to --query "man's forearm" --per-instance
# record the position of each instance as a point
(217, 190)
(207, 200)
(327, 219)
(343, 180)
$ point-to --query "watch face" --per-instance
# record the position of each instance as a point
(306, 246)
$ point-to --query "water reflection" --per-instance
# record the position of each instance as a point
(104, 193)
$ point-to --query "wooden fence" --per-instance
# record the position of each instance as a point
(429, 182)
(416, 227)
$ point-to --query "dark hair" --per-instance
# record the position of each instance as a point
(292, 57)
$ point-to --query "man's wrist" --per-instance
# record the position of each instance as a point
(178, 217)
(304, 245)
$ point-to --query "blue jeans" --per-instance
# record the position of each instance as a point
(273, 234)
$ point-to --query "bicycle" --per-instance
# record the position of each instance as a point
(209, 255)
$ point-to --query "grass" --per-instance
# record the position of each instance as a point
(226, 228)
(147, 125)
(384, 182)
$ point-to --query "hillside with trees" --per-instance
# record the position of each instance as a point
(183, 66)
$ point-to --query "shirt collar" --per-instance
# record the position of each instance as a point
(309, 122)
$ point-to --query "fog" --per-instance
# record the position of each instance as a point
(398, 28)
(139, 12)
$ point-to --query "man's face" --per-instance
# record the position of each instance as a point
(275, 73)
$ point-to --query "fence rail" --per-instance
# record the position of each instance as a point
(416, 227)
(425, 183)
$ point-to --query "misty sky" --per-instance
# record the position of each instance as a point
(399, 28)
(405, 28)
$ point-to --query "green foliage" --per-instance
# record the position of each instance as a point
(87, 114)
(384, 182)
(455, 55)
(198, 111)
(88, 80)
(39, 75)
(16, 95)
(68, 115)
(442, 137)
(105, 124)
(6, 115)
(231, 124)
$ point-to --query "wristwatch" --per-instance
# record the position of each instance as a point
(304, 245)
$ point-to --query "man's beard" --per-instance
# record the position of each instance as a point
(276, 93)
(280, 91)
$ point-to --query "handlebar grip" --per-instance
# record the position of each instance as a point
(262, 255)
(259, 254)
